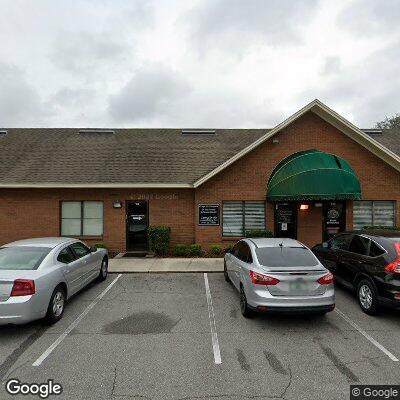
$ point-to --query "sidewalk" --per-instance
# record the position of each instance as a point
(132, 265)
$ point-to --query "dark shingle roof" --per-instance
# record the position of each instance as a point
(128, 156)
(388, 138)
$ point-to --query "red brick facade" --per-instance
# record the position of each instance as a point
(36, 212)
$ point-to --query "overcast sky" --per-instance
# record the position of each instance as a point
(195, 63)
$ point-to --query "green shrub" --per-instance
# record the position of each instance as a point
(215, 249)
(195, 250)
(259, 233)
(159, 237)
(100, 246)
(181, 250)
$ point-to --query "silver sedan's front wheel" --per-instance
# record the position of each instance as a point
(103, 270)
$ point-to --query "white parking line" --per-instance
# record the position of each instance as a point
(47, 352)
(214, 336)
(367, 336)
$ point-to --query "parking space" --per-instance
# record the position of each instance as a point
(149, 337)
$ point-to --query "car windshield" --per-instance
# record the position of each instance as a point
(286, 257)
(22, 257)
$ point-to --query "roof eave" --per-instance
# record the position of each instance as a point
(82, 185)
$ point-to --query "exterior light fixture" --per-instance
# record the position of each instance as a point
(117, 204)
(275, 140)
(304, 207)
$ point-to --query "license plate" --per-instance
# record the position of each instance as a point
(298, 285)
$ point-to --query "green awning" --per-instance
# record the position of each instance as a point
(313, 175)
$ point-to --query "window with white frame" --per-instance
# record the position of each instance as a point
(81, 218)
(373, 213)
(241, 216)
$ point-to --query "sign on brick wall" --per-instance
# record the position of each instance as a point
(209, 214)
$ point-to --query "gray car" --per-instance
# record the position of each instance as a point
(278, 275)
(37, 276)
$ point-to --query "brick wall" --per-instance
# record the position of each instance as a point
(30, 213)
(33, 213)
(247, 178)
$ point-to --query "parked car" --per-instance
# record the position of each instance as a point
(278, 275)
(38, 276)
(369, 265)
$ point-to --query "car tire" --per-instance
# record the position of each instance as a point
(56, 307)
(103, 270)
(367, 297)
(226, 276)
(244, 307)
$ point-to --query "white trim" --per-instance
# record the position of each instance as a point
(95, 185)
(328, 115)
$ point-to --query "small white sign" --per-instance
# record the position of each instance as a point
(284, 226)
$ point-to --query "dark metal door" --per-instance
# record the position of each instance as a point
(286, 219)
(136, 225)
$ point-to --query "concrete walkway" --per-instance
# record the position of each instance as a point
(130, 265)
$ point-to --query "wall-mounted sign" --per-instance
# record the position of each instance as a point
(209, 214)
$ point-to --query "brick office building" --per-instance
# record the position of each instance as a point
(309, 177)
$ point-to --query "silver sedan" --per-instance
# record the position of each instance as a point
(38, 276)
(278, 275)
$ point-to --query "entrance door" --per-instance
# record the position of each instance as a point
(334, 218)
(286, 219)
(136, 225)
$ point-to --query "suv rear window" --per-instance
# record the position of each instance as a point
(286, 257)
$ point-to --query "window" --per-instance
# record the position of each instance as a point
(66, 256)
(340, 242)
(241, 216)
(373, 213)
(359, 245)
(79, 249)
(375, 250)
(81, 218)
(244, 252)
(22, 257)
(281, 257)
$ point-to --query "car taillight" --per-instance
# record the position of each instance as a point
(23, 287)
(260, 279)
(326, 279)
(394, 266)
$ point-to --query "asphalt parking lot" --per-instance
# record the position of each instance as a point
(160, 336)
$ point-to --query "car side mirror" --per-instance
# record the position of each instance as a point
(325, 245)
(93, 249)
(228, 251)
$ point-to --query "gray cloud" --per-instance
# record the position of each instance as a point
(20, 103)
(369, 18)
(233, 25)
(153, 90)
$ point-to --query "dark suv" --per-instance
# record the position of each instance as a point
(366, 264)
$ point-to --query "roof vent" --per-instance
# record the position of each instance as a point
(373, 131)
(198, 132)
(3, 132)
(96, 132)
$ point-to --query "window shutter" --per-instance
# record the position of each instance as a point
(233, 218)
(383, 213)
(254, 215)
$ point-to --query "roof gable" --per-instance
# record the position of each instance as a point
(328, 115)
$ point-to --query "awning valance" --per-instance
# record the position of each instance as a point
(313, 175)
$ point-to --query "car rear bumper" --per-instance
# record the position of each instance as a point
(395, 304)
(259, 298)
(294, 310)
(19, 310)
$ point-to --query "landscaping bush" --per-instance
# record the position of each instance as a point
(259, 233)
(195, 250)
(215, 249)
(181, 250)
(100, 246)
(159, 237)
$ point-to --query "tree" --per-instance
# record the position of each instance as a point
(389, 123)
